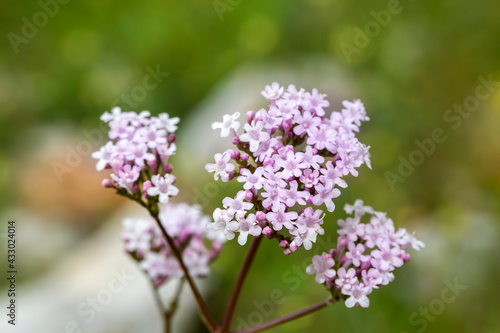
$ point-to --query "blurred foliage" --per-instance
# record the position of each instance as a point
(427, 59)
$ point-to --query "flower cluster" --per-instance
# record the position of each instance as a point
(186, 225)
(138, 153)
(291, 157)
(365, 257)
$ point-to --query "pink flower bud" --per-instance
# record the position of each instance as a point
(287, 124)
(216, 246)
(244, 157)
(135, 190)
(152, 165)
(287, 252)
(342, 243)
(172, 138)
(366, 264)
(250, 116)
(107, 183)
(230, 175)
(248, 195)
(236, 140)
(405, 256)
(268, 161)
(261, 216)
(145, 186)
(234, 154)
(283, 243)
(343, 261)
(293, 247)
(267, 231)
(169, 168)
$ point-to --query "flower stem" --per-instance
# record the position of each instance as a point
(168, 314)
(288, 317)
(228, 316)
(196, 293)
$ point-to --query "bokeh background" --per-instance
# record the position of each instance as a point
(59, 75)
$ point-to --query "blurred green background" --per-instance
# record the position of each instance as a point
(57, 79)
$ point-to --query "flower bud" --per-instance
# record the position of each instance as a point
(250, 116)
(107, 183)
(169, 168)
(244, 157)
(283, 243)
(261, 216)
(234, 154)
(366, 264)
(248, 195)
(267, 231)
(145, 186)
(405, 256)
(268, 161)
(236, 140)
(342, 243)
(172, 138)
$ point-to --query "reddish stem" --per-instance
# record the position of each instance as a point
(231, 306)
(196, 293)
(288, 317)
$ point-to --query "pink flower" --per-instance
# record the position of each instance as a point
(254, 135)
(350, 228)
(358, 295)
(316, 102)
(321, 266)
(355, 254)
(229, 122)
(138, 153)
(272, 92)
(325, 194)
(164, 121)
(127, 177)
(346, 279)
(387, 258)
(305, 122)
(104, 155)
(358, 208)
(252, 180)
(311, 158)
(291, 164)
(293, 195)
(221, 167)
(354, 111)
(163, 187)
(247, 225)
(223, 222)
(237, 204)
(281, 218)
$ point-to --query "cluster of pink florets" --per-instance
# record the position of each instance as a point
(138, 153)
(289, 158)
(365, 257)
(186, 225)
